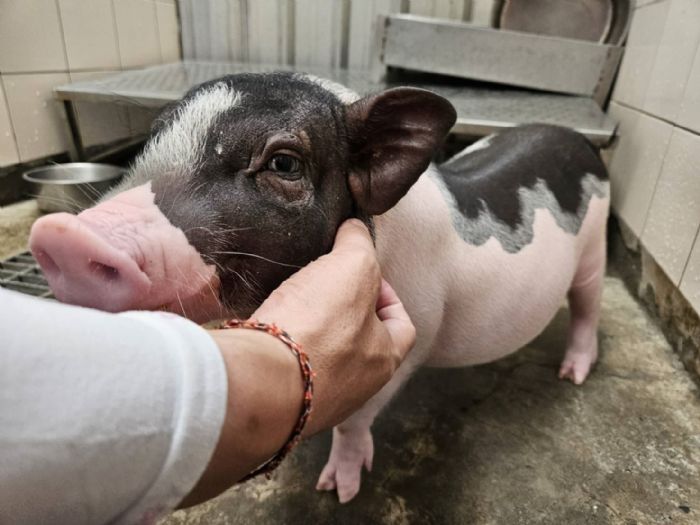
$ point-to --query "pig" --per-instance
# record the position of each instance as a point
(248, 177)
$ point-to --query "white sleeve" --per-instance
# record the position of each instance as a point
(104, 418)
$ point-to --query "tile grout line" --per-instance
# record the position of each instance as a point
(656, 117)
(656, 54)
(686, 88)
(160, 42)
(685, 93)
(116, 33)
(687, 261)
(63, 34)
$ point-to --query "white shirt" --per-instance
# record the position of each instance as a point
(104, 418)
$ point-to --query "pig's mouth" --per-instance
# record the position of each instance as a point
(246, 279)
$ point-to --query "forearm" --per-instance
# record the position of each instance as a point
(264, 400)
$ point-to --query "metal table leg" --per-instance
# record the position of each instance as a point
(77, 150)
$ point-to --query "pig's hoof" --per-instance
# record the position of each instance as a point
(350, 451)
(577, 365)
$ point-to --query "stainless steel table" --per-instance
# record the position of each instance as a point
(480, 110)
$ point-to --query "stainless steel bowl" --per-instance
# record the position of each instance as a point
(71, 187)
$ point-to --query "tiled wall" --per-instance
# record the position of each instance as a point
(655, 167)
(45, 43)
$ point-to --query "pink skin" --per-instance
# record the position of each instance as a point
(474, 304)
(124, 254)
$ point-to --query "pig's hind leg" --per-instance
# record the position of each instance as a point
(584, 306)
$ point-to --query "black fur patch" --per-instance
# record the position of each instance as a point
(517, 158)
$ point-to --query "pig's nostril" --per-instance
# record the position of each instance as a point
(48, 265)
(108, 273)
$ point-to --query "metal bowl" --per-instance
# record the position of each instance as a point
(71, 187)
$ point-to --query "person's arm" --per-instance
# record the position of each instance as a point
(115, 418)
(103, 418)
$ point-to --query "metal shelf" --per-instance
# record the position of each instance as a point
(480, 109)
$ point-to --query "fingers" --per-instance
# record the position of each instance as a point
(353, 234)
(393, 315)
(388, 303)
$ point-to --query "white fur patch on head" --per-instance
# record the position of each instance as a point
(346, 95)
(179, 147)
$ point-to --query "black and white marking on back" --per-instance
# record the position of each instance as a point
(496, 185)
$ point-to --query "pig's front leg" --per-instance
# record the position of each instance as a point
(352, 441)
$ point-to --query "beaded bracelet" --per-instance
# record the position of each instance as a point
(308, 377)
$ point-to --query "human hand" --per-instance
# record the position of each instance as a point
(350, 322)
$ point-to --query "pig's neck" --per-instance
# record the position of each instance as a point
(415, 240)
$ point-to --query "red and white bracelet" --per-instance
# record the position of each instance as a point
(308, 378)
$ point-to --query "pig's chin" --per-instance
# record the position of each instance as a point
(124, 254)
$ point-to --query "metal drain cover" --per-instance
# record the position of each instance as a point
(22, 274)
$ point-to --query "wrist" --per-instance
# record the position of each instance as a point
(265, 395)
(265, 390)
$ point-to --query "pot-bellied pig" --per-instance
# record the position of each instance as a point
(248, 177)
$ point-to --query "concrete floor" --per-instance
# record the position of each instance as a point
(15, 223)
(508, 443)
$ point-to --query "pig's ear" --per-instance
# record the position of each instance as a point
(393, 137)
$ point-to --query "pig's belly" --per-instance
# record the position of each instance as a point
(500, 301)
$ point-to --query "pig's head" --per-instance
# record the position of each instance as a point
(243, 181)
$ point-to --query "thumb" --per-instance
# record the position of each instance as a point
(393, 315)
(353, 234)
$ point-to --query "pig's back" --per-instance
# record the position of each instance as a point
(497, 184)
(501, 275)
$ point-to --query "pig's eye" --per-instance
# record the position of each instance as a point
(284, 164)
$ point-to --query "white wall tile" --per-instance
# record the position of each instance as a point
(674, 215)
(638, 60)
(8, 147)
(674, 59)
(636, 164)
(100, 123)
(38, 118)
(90, 34)
(168, 31)
(690, 107)
(690, 282)
(137, 31)
(30, 36)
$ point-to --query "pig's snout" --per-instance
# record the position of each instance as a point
(84, 268)
(124, 254)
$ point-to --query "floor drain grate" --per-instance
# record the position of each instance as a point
(22, 273)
